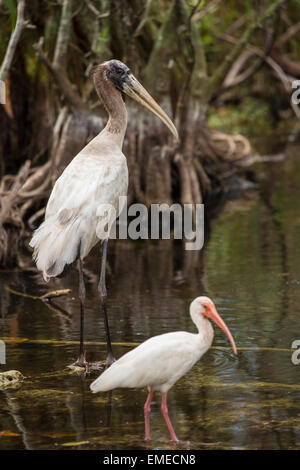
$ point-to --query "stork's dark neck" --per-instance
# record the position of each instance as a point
(112, 100)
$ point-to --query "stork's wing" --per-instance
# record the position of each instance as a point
(86, 183)
(73, 220)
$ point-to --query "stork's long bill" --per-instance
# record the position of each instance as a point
(135, 90)
(214, 316)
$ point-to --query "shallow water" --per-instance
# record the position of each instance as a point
(250, 266)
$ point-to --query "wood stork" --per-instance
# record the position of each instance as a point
(160, 361)
(97, 177)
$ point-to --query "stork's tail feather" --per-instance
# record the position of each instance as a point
(55, 247)
(67, 268)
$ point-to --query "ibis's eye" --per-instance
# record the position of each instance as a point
(204, 306)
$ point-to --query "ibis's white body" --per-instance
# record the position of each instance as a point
(83, 203)
(158, 362)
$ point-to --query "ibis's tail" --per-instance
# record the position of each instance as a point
(56, 246)
(114, 377)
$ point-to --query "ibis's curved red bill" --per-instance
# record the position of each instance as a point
(215, 317)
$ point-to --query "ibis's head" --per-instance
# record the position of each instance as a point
(204, 306)
(124, 81)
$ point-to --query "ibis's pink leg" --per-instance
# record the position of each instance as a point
(164, 410)
(147, 409)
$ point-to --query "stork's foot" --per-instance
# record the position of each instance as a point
(97, 366)
(82, 363)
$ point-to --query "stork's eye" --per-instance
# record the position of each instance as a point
(119, 70)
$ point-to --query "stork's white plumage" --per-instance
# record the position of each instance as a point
(85, 199)
(74, 221)
(160, 361)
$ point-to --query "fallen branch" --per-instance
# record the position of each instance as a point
(46, 299)
(43, 298)
(232, 141)
(54, 293)
(11, 224)
(266, 159)
(34, 217)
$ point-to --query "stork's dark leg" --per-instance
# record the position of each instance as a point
(102, 291)
(81, 361)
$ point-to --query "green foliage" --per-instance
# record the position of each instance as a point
(158, 44)
(10, 5)
(251, 114)
(32, 64)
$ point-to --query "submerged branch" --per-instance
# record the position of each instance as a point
(55, 293)
(134, 344)
(43, 298)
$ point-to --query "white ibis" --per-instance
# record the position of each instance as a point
(97, 177)
(160, 361)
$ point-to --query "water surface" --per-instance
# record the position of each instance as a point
(250, 266)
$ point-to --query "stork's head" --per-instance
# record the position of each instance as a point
(204, 306)
(124, 81)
